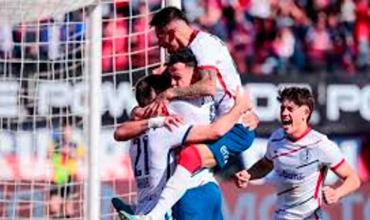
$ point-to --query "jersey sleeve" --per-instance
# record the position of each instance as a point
(205, 52)
(330, 154)
(269, 151)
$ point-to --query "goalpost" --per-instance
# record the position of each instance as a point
(66, 73)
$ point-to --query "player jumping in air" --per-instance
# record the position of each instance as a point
(181, 66)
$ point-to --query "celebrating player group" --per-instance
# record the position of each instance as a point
(193, 115)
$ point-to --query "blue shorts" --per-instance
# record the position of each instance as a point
(234, 142)
(200, 203)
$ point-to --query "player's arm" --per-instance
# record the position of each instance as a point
(154, 109)
(131, 129)
(259, 170)
(217, 129)
(205, 86)
(350, 183)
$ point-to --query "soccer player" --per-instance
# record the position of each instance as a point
(180, 66)
(148, 152)
(215, 73)
(300, 156)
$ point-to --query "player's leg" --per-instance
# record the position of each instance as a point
(233, 143)
(190, 160)
(55, 202)
(195, 157)
(200, 203)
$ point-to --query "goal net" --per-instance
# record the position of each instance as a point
(44, 89)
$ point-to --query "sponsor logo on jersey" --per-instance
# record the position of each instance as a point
(225, 153)
(287, 174)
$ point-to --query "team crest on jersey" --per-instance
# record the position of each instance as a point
(305, 155)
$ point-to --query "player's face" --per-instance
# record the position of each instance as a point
(167, 38)
(180, 75)
(293, 117)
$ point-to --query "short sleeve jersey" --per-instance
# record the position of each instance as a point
(301, 167)
(212, 53)
(153, 157)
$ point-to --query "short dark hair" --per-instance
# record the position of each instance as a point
(298, 95)
(185, 56)
(151, 85)
(166, 15)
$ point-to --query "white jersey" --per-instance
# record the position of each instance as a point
(153, 157)
(196, 111)
(212, 53)
(301, 167)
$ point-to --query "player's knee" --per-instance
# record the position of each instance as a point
(190, 158)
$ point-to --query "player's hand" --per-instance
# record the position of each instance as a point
(242, 100)
(250, 120)
(173, 121)
(137, 113)
(242, 179)
(156, 108)
(330, 196)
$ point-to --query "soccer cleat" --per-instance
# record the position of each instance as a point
(125, 212)
(126, 216)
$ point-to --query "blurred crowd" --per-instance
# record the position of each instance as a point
(264, 36)
(288, 36)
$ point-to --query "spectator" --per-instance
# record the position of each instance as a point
(143, 40)
(6, 41)
(65, 154)
(362, 33)
(319, 44)
(241, 41)
(265, 36)
(283, 47)
(114, 45)
(348, 16)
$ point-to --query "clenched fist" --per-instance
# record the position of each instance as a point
(330, 195)
(242, 179)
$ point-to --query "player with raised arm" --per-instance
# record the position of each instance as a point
(180, 66)
(300, 156)
(149, 150)
(215, 74)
